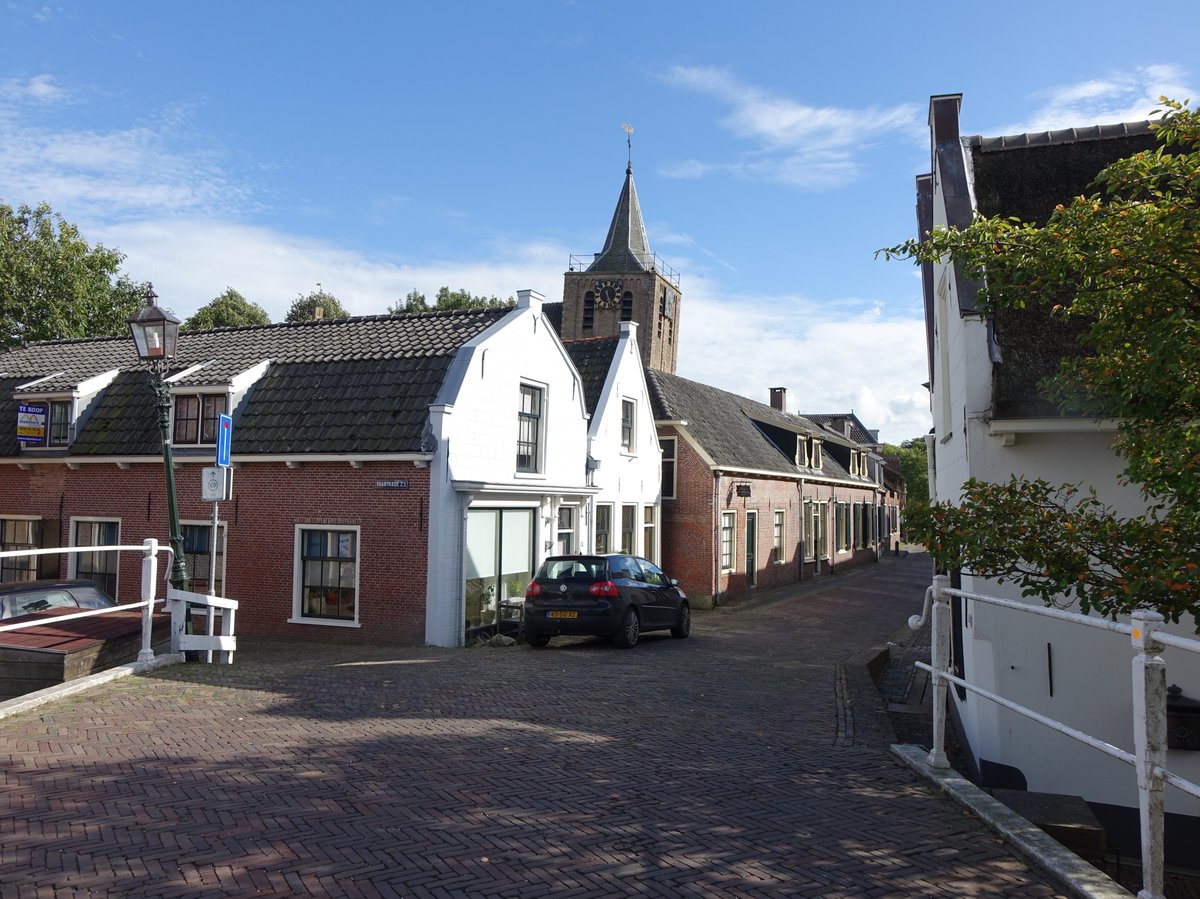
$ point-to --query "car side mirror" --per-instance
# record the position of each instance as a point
(674, 582)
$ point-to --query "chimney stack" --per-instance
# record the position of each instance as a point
(779, 398)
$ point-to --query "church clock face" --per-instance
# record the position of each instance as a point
(608, 294)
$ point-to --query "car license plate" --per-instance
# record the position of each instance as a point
(562, 614)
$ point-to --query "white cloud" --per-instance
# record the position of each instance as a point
(39, 88)
(1118, 97)
(792, 143)
(855, 357)
(191, 261)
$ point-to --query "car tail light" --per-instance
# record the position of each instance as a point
(534, 589)
(603, 588)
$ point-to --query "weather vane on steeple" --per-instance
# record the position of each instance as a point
(628, 129)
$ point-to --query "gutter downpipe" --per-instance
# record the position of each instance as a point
(717, 539)
(800, 492)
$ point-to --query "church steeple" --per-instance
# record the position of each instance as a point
(625, 282)
(627, 248)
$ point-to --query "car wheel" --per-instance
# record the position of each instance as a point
(684, 626)
(537, 641)
(629, 631)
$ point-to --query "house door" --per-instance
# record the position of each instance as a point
(498, 564)
(751, 549)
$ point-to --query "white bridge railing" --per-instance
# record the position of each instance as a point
(178, 602)
(1149, 706)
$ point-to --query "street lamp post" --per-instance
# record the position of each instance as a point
(155, 332)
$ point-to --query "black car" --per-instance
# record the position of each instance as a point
(615, 596)
(24, 597)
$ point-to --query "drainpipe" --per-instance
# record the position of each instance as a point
(800, 501)
(717, 541)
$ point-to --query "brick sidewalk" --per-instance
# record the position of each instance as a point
(745, 761)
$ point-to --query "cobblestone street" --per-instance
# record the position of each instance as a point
(748, 760)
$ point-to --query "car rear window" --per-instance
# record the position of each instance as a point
(582, 568)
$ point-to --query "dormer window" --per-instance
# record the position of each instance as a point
(817, 456)
(58, 429)
(196, 418)
(801, 452)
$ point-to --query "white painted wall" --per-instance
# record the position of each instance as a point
(474, 426)
(1006, 652)
(626, 477)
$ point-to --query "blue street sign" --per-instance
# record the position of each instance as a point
(224, 437)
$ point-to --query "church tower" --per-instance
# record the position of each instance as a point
(625, 282)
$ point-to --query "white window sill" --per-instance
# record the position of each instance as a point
(324, 622)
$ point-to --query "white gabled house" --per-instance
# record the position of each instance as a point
(509, 432)
(624, 458)
(990, 423)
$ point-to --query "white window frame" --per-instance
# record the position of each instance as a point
(649, 525)
(569, 531)
(29, 563)
(630, 548)
(779, 533)
(73, 564)
(298, 575)
(611, 507)
(539, 451)
(728, 546)
(673, 461)
(199, 396)
(629, 427)
(222, 543)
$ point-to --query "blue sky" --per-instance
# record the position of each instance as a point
(373, 148)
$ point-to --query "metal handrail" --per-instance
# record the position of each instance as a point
(180, 601)
(1149, 705)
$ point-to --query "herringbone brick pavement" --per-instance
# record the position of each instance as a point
(745, 761)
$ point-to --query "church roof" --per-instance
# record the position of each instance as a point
(626, 249)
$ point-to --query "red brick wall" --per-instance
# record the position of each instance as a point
(691, 541)
(269, 501)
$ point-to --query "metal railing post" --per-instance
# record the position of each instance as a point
(1150, 744)
(940, 662)
(149, 582)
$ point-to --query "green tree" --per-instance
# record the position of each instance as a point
(413, 302)
(54, 285)
(915, 468)
(1131, 255)
(228, 310)
(304, 307)
(447, 299)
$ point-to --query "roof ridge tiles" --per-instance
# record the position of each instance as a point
(1059, 136)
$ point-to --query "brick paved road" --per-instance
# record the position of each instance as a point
(745, 761)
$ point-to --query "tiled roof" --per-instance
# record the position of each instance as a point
(593, 357)
(837, 421)
(732, 429)
(626, 249)
(338, 386)
(1027, 179)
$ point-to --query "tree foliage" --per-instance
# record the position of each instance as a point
(304, 307)
(446, 299)
(914, 466)
(1129, 258)
(54, 285)
(228, 310)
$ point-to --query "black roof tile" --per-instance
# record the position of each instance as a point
(593, 357)
(336, 386)
(736, 432)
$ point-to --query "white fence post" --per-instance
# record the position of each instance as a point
(940, 662)
(149, 583)
(1150, 744)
